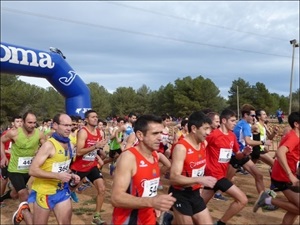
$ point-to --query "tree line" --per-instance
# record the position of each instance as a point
(178, 99)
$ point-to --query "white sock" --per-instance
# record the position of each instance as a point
(268, 200)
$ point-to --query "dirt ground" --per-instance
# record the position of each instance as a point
(83, 211)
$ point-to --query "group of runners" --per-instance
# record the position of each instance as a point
(200, 162)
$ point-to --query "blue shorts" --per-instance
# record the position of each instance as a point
(49, 201)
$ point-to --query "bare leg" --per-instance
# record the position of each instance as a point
(40, 215)
(63, 212)
(230, 172)
(202, 217)
(252, 169)
(240, 201)
(182, 219)
(3, 185)
(100, 187)
(267, 159)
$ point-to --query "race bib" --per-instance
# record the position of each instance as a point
(61, 167)
(198, 172)
(90, 156)
(24, 163)
(225, 155)
(150, 187)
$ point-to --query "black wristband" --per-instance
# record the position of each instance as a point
(262, 143)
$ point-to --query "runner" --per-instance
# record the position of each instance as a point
(187, 173)
(242, 131)
(16, 123)
(221, 143)
(26, 140)
(134, 191)
(50, 168)
(89, 140)
(286, 173)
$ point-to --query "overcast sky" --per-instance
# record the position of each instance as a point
(131, 43)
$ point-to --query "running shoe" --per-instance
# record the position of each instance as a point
(272, 193)
(97, 220)
(18, 215)
(84, 186)
(242, 171)
(219, 197)
(260, 202)
(111, 169)
(167, 218)
(74, 197)
(269, 208)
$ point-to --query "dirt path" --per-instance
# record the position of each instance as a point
(83, 211)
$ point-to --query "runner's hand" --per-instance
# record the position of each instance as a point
(268, 143)
(4, 162)
(163, 202)
(76, 178)
(208, 181)
(247, 150)
(64, 177)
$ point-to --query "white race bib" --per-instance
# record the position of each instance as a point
(225, 155)
(198, 172)
(61, 167)
(150, 187)
(90, 156)
(24, 163)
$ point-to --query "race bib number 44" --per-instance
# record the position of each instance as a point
(150, 187)
(24, 163)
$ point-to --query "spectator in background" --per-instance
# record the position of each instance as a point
(279, 115)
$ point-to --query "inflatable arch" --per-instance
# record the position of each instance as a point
(17, 60)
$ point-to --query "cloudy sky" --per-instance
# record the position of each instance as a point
(131, 43)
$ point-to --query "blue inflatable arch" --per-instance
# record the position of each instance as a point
(17, 60)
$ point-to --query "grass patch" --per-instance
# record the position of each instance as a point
(249, 196)
(83, 210)
(89, 202)
(251, 203)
